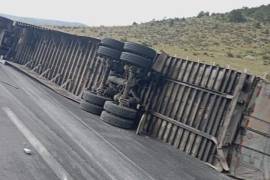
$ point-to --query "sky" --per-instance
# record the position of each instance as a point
(118, 12)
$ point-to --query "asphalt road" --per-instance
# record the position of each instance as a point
(68, 143)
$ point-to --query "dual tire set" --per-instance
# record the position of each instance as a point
(130, 54)
(92, 102)
(109, 111)
(119, 116)
(110, 48)
(137, 55)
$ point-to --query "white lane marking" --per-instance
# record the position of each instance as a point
(33, 95)
(58, 169)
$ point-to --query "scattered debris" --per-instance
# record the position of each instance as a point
(27, 151)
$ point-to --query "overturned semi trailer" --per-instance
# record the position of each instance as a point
(6, 36)
(218, 115)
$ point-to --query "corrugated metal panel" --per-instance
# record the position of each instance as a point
(251, 155)
(62, 58)
(188, 108)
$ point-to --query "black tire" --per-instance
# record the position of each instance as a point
(94, 98)
(91, 108)
(135, 59)
(112, 43)
(116, 121)
(140, 50)
(120, 111)
(109, 52)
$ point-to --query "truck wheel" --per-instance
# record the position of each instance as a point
(94, 98)
(135, 59)
(140, 50)
(120, 111)
(91, 108)
(116, 120)
(109, 52)
(112, 43)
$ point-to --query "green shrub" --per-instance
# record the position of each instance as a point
(266, 57)
(205, 53)
(237, 16)
(266, 62)
(238, 56)
(268, 76)
(202, 14)
(229, 54)
(266, 31)
(258, 25)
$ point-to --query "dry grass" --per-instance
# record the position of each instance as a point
(239, 45)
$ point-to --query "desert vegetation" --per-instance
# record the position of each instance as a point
(239, 39)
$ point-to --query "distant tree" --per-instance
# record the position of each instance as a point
(134, 24)
(237, 16)
(206, 14)
(202, 14)
(171, 23)
(261, 13)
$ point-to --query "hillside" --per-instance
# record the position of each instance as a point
(43, 22)
(240, 38)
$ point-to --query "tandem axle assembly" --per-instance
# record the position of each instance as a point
(126, 66)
